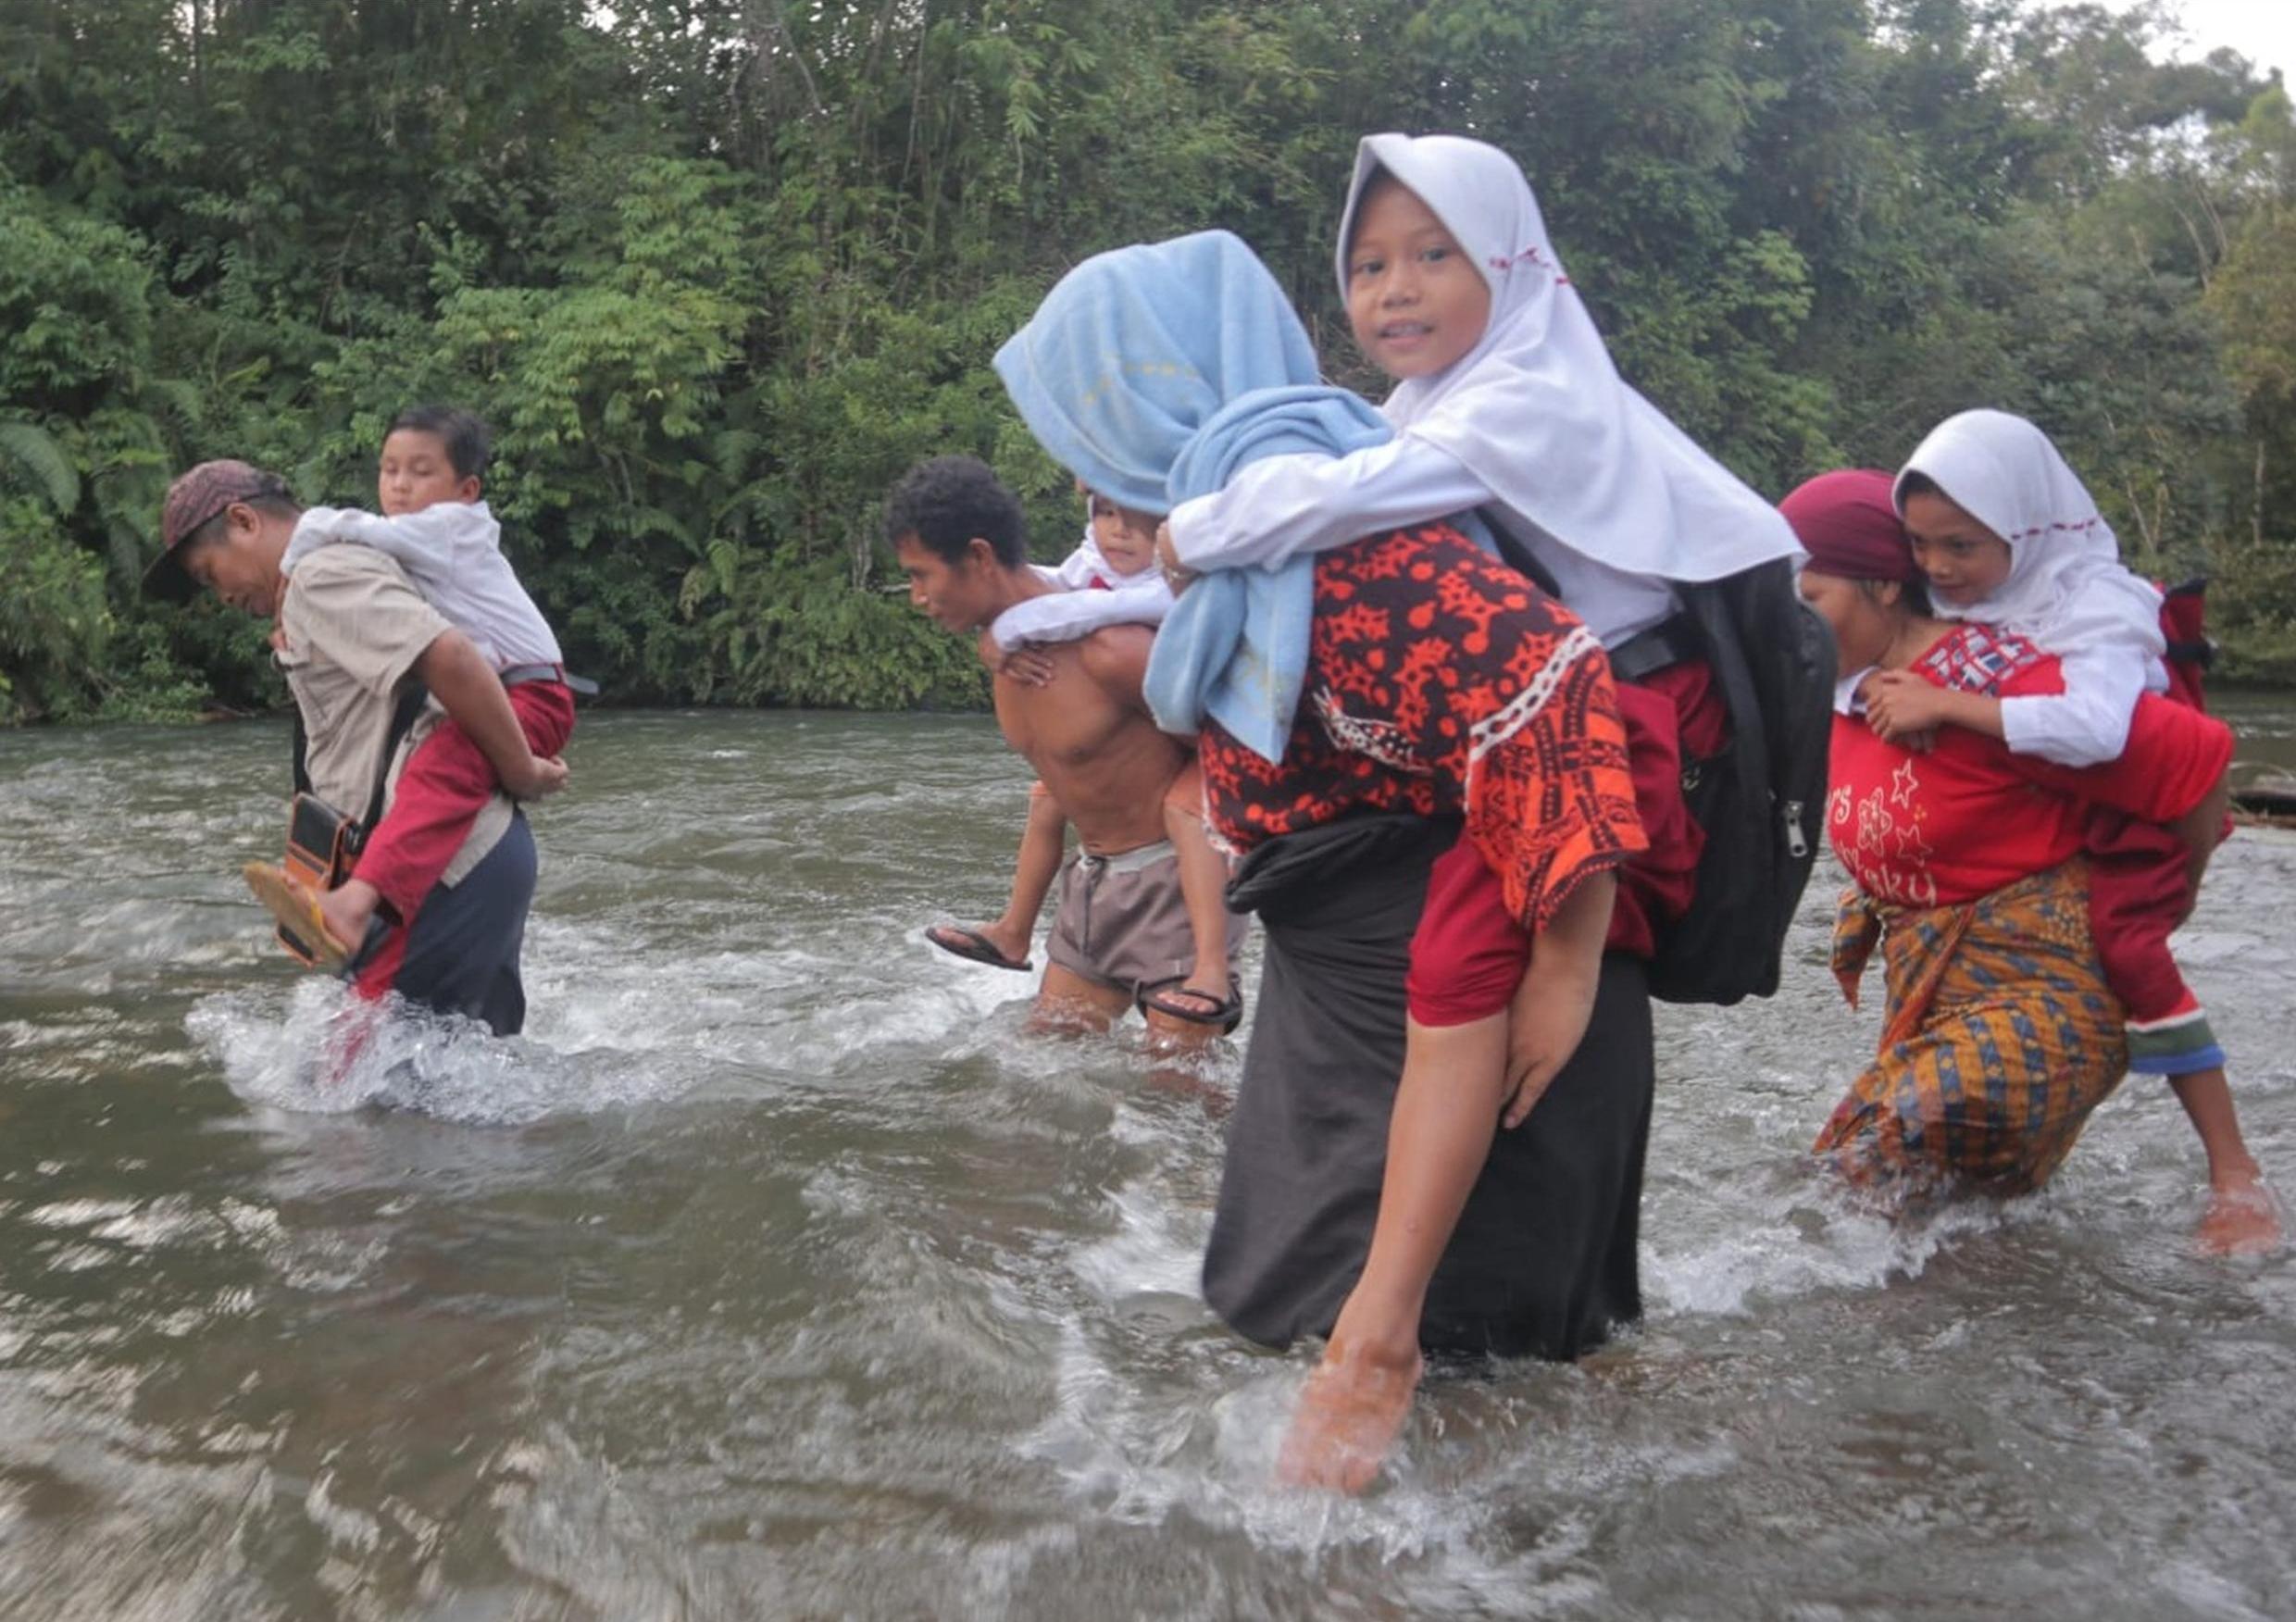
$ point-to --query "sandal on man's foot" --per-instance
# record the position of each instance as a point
(1226, 1012)
(973, 947)
(302, 927)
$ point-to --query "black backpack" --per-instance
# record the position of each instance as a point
(1762, 799)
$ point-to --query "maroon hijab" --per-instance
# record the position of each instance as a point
(1848, 524)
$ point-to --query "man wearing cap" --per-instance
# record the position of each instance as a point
(351, 634)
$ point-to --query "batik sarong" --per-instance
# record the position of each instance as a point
(2000, 1037)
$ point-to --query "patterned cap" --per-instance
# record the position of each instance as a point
(192, 500)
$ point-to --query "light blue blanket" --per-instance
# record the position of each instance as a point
(1152, 373)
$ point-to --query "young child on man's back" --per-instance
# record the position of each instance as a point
(1117, 557)
(434, 525)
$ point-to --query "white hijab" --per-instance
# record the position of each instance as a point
(2066, 588)
(1537, 411)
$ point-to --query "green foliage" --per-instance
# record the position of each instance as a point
(718, 271)
(54, 623)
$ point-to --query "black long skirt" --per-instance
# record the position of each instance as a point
(1543, 1260)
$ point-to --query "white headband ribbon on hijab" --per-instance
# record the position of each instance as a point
(1537, 411)
(2066, 588)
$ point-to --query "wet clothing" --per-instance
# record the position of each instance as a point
(2001, 1036)
(2005, 1010)
(1121, 920)
(1542, 1261)
(447, 783)
(461, 954)
(1442, 685)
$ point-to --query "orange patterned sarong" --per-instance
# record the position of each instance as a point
(2000, 1037)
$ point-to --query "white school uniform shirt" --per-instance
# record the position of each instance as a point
(2067, 591)
(451, 550)
(1093, 593)
(1279, 507)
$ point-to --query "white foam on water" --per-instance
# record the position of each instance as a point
(1206, 1458)
(1776, 1241)
(1156, 1252)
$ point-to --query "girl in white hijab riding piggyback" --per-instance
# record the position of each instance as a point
(2009, 538)
(1507, 405)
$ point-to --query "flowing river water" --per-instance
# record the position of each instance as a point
(774, 1273)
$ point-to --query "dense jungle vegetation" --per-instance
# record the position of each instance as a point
(717, 270)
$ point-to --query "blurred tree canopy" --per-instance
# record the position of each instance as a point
(717, 270)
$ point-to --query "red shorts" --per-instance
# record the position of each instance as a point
(446, 782)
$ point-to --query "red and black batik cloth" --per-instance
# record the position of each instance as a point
(1439, 681)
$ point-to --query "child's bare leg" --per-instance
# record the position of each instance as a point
(2241, 1219)
(1068, 1004)
(1446, 1112)
(1203, 887)
(1043, 841)
(1460, 1083)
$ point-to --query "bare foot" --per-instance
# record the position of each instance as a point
(1348, 1419)
(2243, 1219)
(347, 909)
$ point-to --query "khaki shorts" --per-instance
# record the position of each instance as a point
(1122, 923)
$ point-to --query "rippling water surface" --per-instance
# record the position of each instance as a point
(772, 1273)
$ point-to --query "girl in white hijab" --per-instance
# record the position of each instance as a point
(1506, 402)
(2009, 537)
(1528, 419)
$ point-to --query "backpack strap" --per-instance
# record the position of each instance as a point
(411, 699)
(301, 763)
(404, 711)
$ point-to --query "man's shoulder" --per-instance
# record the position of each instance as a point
(343, 598)
(335, 567)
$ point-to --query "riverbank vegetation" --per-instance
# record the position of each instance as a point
(717, 270)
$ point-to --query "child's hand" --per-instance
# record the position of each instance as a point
(1901, 706)
(1548, 1018)
(1176, 574)
(541, 779)
(1556, 998)
(1030, 667)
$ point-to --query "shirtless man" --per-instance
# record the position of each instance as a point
(1122, 924)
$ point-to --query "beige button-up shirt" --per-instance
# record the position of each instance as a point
(353, 628)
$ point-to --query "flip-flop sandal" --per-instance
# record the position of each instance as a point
(1227, 1012)
(973, 947)
(302, 927)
